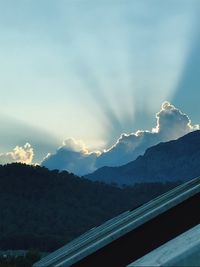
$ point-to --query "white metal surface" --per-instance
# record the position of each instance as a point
(183, 250)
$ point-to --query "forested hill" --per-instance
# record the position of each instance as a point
(44, 209)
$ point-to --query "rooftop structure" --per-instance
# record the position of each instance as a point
(183, 250)
(126, 238)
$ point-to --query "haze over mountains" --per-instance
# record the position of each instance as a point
(170, 161)
(73, 155)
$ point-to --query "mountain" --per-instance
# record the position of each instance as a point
(42, 209)
(170, 161)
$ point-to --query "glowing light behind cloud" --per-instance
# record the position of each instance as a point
(72, 64)
(22, 154)
(127, 64)
(171, 123)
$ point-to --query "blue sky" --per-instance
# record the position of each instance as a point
(92, 70)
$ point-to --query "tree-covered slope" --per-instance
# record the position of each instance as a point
(42, 209)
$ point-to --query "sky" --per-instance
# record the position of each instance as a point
(93, 70)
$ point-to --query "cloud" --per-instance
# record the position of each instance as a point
(75, 145)
(172, 123)
(23, 154)
(75, 157)
(16, 132)
(72, 156)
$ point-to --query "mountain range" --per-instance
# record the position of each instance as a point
(170, 161)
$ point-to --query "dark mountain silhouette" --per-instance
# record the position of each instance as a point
(170, 161)
(42, 209)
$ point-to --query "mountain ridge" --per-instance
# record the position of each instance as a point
(166, 161)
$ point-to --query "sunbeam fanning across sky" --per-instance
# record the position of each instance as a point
(93, 70)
